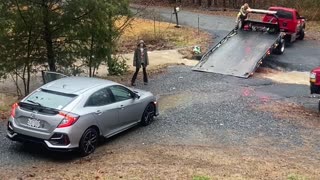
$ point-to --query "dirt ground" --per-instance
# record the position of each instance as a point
(158, 59)
(292, 77)
(174, 162)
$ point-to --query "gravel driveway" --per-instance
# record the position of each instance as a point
(212, 125)
(202, 110)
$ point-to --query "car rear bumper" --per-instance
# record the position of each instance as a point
(52, 143)
(41, 142)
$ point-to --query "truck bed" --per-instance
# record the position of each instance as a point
(238, 54)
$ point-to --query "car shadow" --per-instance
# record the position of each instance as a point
(40, 153)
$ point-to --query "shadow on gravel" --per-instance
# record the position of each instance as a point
(273, 63)
(41, 153)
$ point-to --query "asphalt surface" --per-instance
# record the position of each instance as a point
(299, 56)
(206, 109)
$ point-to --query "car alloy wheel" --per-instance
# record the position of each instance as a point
(88, 141)
(148, 115)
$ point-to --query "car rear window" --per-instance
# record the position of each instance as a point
(283, 14)
(50, 99)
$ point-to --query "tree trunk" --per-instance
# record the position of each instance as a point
(47, 36)
(90, 64)
(199, 2)
(209, 3)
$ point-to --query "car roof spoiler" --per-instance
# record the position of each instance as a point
(48, 76)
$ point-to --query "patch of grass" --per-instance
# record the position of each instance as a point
(200, 178)
(6, 102)
(296, 177)
(161, 36)
(313, 30)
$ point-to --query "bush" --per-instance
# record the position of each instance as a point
(117, 66)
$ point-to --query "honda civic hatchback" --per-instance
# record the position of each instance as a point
(73, 112)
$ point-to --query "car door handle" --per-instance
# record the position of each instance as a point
(98, 112)
(121, 107)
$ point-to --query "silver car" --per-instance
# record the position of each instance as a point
(73, 112)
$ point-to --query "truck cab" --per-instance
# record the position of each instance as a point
(315, 81)
(289, 21)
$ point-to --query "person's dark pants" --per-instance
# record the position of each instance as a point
(240, 22)
(145, 77)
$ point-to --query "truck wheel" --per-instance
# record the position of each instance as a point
(314, 89)
(280, 48)
(301, 35)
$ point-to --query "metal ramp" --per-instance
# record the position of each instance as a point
(238, 54)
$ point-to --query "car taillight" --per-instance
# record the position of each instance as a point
(13, 110)
(68, 119)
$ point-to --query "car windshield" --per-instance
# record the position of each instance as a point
(50, 99)
(284, 14)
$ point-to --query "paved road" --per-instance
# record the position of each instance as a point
(205, 109)
(300, 56)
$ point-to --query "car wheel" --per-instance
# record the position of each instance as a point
(88, 142)
(301, 35)
(148, 115)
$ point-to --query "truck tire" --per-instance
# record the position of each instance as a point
(280, 48)
(314, 89)
(301, 35)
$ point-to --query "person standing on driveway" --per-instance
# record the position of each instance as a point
(140, 59)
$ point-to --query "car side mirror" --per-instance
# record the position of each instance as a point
(136, 96)
(301, 17)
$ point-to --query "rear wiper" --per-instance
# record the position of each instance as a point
(36, 103)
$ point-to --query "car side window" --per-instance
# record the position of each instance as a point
(100, 98)
(121, 93)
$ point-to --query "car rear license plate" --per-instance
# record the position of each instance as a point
(33, 123)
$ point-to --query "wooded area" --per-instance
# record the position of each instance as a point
(308, 8)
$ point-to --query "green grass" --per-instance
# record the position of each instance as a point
(200, 178)
(296, 177)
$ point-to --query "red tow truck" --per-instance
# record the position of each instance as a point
(290, 22)
(315, 81)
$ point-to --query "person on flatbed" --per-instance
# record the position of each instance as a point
(242, 15)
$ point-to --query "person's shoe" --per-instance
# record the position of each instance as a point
(133, 84)
(145, 83)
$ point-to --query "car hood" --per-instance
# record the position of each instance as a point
(141, 92)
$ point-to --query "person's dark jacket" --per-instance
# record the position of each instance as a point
(137, 61)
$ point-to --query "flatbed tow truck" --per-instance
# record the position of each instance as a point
(242, 51)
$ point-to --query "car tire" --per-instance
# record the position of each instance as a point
(280, 48)
(314, 89)
(88, 142)
(301, 35)
(148, 115)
